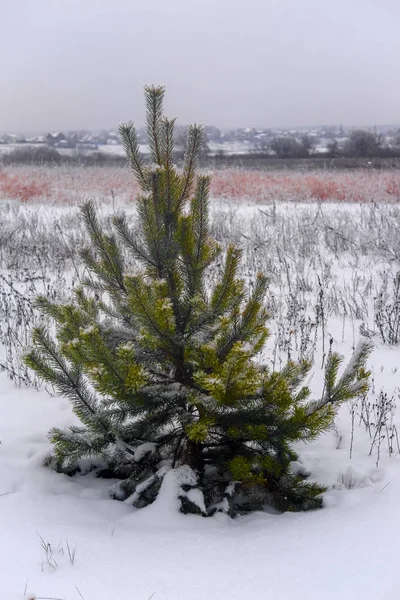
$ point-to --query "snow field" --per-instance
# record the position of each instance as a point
(332, 269)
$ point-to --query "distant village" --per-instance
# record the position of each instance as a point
(57, 139)
(282, 143)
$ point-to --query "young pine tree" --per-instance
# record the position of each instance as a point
(159, 364)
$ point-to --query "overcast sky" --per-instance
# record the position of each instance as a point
(67, 64)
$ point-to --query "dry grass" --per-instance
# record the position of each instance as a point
(69, 185)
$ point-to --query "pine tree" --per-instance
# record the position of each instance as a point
(159, 363)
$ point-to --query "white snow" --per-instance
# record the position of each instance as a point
(63, 537)
(143, 449)
(346, 550)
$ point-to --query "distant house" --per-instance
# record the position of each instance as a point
(38, 139)
(89, 139)
(8, 138)
(62, 144)
(55, 138)
(11, 138)
(87, 146)
(113, 139)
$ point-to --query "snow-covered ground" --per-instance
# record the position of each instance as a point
(346, 550)
(64, 537)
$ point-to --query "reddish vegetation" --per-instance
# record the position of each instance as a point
(332, 186)
(393, 188)
(16, 187)
(69, 185)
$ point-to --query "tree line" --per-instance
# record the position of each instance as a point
(360, 144)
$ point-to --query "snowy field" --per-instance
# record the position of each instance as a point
(333, 268)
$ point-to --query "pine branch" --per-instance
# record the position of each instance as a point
(46, 361)
(251, 325)
(152, 233)
(130, 143)
(144, 301)
(168, 153)
(200, 215)
(111, 266)
(127, 236)
(223, 291)
(193, 145)
(154, 109)
(352, 383)
(168, 142)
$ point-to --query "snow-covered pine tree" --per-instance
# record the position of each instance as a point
(159, 365)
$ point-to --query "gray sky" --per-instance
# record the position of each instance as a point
(67, 64)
